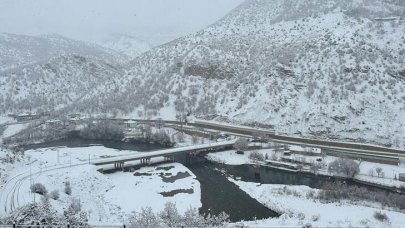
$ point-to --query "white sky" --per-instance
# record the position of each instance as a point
(95, 19)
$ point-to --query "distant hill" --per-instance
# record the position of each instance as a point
(49, 72)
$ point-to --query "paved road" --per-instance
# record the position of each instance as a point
(278, 138)
(161, 153)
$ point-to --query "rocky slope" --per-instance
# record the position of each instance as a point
(320, 68)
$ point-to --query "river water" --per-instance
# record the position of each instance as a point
(217, 193)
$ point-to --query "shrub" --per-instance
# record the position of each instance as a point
(256, 156)
(241, 144)
(344, 166)
(68, 189)
(54, 194)
(380, 216)
(74, 206)
(39, 188)
(315, 217)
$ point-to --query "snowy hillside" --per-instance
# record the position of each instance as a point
(49, 86)
(48, 72)
(126, 45)
(317, 68)
(17, 50)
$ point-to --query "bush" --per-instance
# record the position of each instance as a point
(256, 156)
(54, 194)
(344, 166)
(39, 188)
(68, 189)
(241, 144)
(334, 192)
(170, 217)
(74, 206)
(102, 130)
(380, 216)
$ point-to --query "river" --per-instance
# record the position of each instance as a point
(217, 193)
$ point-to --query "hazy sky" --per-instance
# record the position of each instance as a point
(95, 19)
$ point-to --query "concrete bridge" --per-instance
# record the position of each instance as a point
(168, 154)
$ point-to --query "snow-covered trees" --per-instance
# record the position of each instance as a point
(38, 188)
(146, 218)
(170, 217)
(256, 156)
(54, 194)
(344, 166)
(68, 189)
(102, 130)
(43, 214)
(241, 144)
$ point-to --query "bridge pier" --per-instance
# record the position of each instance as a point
(169, 157)
(119, 165)
(145, 161)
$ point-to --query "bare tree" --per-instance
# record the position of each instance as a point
(241, 144)
(344, 166)
(147, 218)
(68, 189)
(378, 170)
(170, 216)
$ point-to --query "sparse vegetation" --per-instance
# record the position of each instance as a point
(38, 188)
(256, 156)
(68, 189)
(334, 192)
(344, 166)
(54, 194)
(380, 216)
(170, 217)
(241, 144)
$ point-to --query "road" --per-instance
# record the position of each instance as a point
(10, 195)
(160, 153)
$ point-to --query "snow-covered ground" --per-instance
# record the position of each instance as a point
(13, 129)
(107, 198)
(388, 178)
(298, 210)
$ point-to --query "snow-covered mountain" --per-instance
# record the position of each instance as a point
(18, 50)
(126, 44)
(320, 68)
(47, 73)
(50, 86)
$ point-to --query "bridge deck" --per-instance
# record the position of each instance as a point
(160, 153)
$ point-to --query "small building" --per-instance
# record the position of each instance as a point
(309, 151)
(54, 122)
(402, 177)
(131, 124)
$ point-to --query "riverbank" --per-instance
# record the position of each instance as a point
(367, 174)
(299, 208)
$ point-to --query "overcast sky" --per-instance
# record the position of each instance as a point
(95, 19)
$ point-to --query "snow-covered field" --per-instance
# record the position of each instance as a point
(298, 210)
(107, 198)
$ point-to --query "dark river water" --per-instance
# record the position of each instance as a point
(217, 193)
